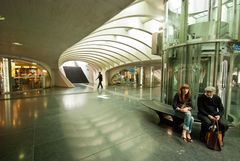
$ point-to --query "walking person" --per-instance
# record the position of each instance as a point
(100, 79)
(182, 105)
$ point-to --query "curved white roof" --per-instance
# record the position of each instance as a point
(124, 39)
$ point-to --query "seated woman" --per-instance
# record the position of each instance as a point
(182, 105)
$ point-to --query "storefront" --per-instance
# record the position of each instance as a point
(136, 75)
(21, 75)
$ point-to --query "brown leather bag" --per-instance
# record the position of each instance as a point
(214, 138)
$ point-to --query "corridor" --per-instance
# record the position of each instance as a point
(73, 124)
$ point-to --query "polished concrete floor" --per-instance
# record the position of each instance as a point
(85, 124)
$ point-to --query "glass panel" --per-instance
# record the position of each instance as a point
(205, 75)
(232, 17)
(173, 74)
(222, 82)
(198, 11)
(235, 94)
(202, 14)
(157, 76)
(227, 18)
(201, 67)
(173, 21)
(194, 71)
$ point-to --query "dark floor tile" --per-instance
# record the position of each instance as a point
(70, 149)
(110, 154)
(16, 145)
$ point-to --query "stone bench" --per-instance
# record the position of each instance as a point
(166, 113)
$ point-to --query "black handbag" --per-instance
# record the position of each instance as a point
(214, 137)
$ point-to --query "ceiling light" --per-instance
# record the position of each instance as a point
(2, 18)
(17, 43)
(17, 66)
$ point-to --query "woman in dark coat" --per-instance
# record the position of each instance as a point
(182, 105)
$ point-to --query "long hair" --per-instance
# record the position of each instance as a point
(182, 96)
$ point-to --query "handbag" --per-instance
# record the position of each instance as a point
(214, 137)
(183, 105)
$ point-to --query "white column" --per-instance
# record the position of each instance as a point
(6, 76)
(151, 76)
(141, 76)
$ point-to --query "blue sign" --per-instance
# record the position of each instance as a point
(236, 46)
(131, 70)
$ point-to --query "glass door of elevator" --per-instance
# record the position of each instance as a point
(209, 68)
(201, 71)
(205, 72)
(220, 69)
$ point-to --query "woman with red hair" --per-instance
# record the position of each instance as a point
(182, 105)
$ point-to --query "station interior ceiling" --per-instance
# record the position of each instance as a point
(43, 30)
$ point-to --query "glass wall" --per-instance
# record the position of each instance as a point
(172, 21)
(234, 94)
(202, 48)
(203, 19)
(199, 68)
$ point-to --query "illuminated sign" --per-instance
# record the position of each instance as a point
(236, 46)
(131, 70)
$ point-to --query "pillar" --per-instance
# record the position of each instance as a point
(141, 76)
(6, 75)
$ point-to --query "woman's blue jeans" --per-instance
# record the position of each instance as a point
(188, 119)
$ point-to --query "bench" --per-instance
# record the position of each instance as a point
(166, 113)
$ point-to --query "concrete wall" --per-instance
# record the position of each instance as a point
(59, 80)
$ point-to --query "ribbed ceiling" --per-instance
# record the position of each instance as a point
(124, 39)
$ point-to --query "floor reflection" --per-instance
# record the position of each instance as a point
(99, 125)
